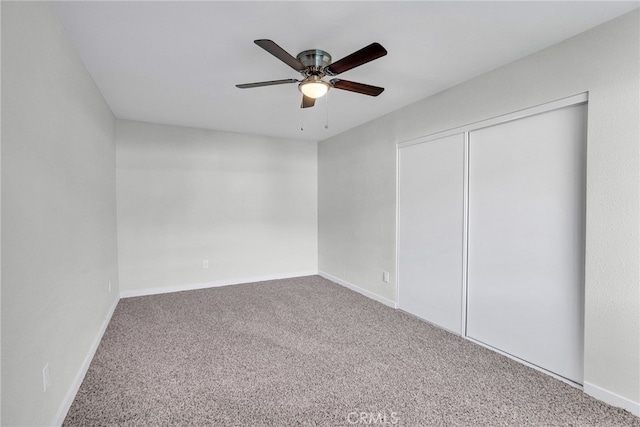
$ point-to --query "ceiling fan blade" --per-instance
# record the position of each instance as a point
(357, 87)
(275, 50)
(364, 55)
(307, 102)
(269, 83)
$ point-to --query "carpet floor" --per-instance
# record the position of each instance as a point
(308, 352)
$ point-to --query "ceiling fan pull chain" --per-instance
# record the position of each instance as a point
(302, 119)
(326, 102)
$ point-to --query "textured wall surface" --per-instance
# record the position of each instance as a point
(58, 213)
(247, 204)
(357, 191)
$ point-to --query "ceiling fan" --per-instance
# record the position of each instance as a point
(315, 64)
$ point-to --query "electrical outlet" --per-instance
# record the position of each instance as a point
(385, 276)
(46, 379)
(205, 264)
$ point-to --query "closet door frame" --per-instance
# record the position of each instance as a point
(574, 100)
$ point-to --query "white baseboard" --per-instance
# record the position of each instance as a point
(217, 283)
(611, 398)
(77, 381)
(366, 293)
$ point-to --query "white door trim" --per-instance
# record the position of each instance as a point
(538, 109)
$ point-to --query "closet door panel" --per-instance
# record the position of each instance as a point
(430, 231)
(526, 239)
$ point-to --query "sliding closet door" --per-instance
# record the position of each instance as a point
(430, 229)
(526, 239)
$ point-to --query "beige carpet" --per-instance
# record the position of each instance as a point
(308, 352)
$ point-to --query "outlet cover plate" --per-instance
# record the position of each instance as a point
(46, 379)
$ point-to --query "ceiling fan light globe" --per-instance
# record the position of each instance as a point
(314, 89)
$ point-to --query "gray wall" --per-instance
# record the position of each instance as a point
(357, 175)
(247, 204)
(58, 213)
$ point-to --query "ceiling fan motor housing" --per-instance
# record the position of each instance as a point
(315, 60)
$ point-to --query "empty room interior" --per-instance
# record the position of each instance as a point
(320, 213)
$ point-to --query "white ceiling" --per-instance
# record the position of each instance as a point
(177, 62)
